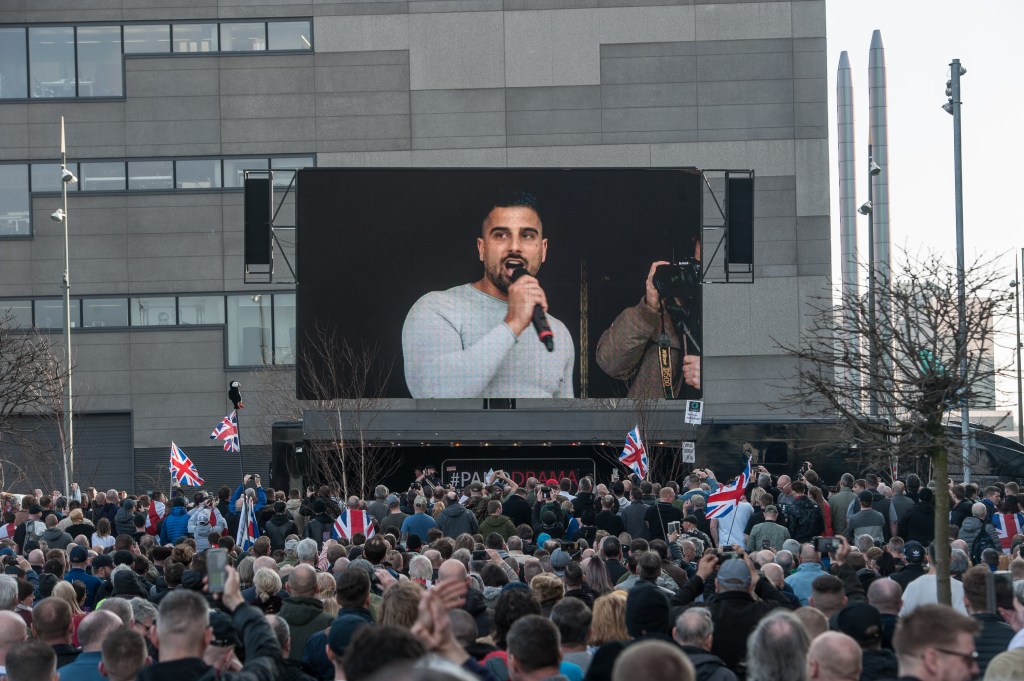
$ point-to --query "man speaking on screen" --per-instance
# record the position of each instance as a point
(478, 339)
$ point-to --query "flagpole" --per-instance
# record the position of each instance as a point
(238, 434)
(736, 509)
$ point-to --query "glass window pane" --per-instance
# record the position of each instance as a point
(152, 311)
(201, 310)
(20, 310)
(147, 39)
(99, 61)
(289, 35)
(14, 199)
(234, 167)
(202, 174)
(150, 175)
(13, 69)
(248, 37)
(282, 166)
(102, 176)
(50, 313)
(46, 177)
(105, 312)
(284, 328)
(194, 38)
(248, 333)
(51, 55)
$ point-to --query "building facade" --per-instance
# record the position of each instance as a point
(166, 106)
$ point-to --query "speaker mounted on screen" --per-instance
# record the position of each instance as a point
(739, 222)
(261, 232)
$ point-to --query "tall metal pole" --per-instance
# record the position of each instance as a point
(873, 376)
(69, 433)
(1020, 396)
(955, 72)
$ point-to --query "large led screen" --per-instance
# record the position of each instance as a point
(437, 274)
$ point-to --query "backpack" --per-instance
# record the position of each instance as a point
(34, 530)
(981, 542)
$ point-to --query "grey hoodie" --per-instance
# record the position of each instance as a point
(56, 538)
(456, 520)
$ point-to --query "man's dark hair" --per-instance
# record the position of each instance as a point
(871, 479)
(511, 606)
(573, 619)
(647, 488)
(799, 487)
(648, 566)
(353, 588)
(913, 482)
(618, 488)
(400, 645)
(494, 541)
(534, 642)
(660, 547)
(51, 618)
(124, 653)
(611, 547)
(172, 573)
(514, 198)
(492, 575)
(375, 549)
(31, 660)
(975, 589)
(224, 493)
(573, 574)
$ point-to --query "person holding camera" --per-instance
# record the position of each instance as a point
(203, 520)
(643, 338)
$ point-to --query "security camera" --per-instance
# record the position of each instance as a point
(57, 215)
(67, 176)
(948, 108)
(874, 168)
(865, 208)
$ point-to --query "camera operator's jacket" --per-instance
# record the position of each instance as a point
(628, 351)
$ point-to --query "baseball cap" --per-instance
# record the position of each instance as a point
(102, 560)
(861, 621)
(291, 544)
(476, 486)
(914, 552)
(734, 574)
(771, 508)
(690, 519)
(559, 559)
(392, 500)
(224, 632)
(551, 482)
(865, 497)
(342, 631)
(35, 508)
(79, 555)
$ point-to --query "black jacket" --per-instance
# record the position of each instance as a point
(584, 500)
(610, 523)
(877, 665)
(993, 638)
(66, 653)
(659, 516)
(318, 527)
(709, 667)
(909, 574)
(518, 510)
(805, 519)
(278, 528)
(918, 523)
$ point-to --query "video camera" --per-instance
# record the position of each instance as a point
(678, 285)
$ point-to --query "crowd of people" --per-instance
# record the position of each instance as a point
(550, 580)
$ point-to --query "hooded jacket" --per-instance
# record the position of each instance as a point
(293, 508)
(497, 523)
(305, 615)
(456, 520)
(970, 530)
(708, 667)
(124, 521)
(879, 664)
(319, 526)
(59, 539)
(278, 528)
(174, 526)
(918, 523)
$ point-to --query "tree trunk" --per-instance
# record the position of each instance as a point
(341, 455)
(940, 466)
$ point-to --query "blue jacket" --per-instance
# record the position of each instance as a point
(84, 668)
(91, 584)
(174, 525)
(261, 501)
(801, 580)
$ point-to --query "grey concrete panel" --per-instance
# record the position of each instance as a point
(196, 273)
(810, 90)
(774, 271)
(182, 215)
(701, 155)
(649, 70)
(159, 137)
(707, 47)
(649, 119)
(95, 135)
(346, 145)
(649, 137)
(353, 9)
(250, 134)
(145, 109)
(747, 20)
(173, 245)
(457, 101)
(757, 66)
(776, 253)
(418, 6)
(808, 19)
(456, 158)
(647, 24)
(363, 58)
(582, 156)
(553, 98)
(809, 44)
(672, 48)
(628, 95)
(526, 5)
(370, 78)
(355, 34)
(448, 51)
(362, 103)
(550, 122)
(716, 93)
(812, 197)
(759, 134)
(267, 106)
(487, 123)
(362, 128)
(195, 77)
(73, 112)
(290, 80)
(555, 139)
(780, 203)
(14, 142)
(807, 114)
(810, 132)
(771, 182)
(181, 349)
(745, 116)
(478, 141)
(809, 64)
(548, 48)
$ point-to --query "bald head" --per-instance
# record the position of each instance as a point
(774, 574)
(302, 581)
(808, 554)
(95, 628)
(36, 557)
(764, 557)
(264, 562)
(451, 569)
(833, 655)
(886, 595)
(12, 630)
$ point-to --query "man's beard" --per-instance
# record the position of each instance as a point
(499, 277)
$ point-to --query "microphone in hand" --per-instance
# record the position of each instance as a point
(540, 320)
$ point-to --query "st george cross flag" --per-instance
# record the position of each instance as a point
(728, 497)
(1008, 525)
(227, 430)
(7, 531)
(182, 468)
(246, 535)
(155, 515)
(352, 522)
(634, 454)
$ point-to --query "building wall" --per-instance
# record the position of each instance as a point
(535, 83)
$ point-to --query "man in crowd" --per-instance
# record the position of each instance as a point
(936, 643)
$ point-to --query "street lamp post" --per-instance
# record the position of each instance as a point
(67, 177)
(1020, 396)
(868, 210)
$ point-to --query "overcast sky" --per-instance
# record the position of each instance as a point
(921, 38)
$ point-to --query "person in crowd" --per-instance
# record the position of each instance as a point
(694, 630)
(93, 631)
(779, 645)
(123, 655)
(995, 634)
(52, 624)
(833, 655)
(936, 643)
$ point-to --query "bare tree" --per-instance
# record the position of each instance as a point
(911, 369)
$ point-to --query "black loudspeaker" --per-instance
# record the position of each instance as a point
(259, 213)
(739, 207)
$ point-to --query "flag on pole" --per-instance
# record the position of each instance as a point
(634, 454)
(352, 522)
(246, 535)
(1008, 525)
(154, 516)
(728, 497)
(227, 430)
(182, 468)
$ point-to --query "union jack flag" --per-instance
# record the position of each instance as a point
(227, 430)
(246, 535)
(728, 497)
(1008, 525)
(634, 454)
(182, 468)
(352, 522)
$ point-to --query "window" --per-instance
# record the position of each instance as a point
(201, 310)
(105, 312)
(13, 66)
(20, 310)
(152, 311)
(147, 39)
(203, 174)
(14, 200)
(249, 330)
(284, 328)
(248, 37)
(143, 175)
(282, 166)
(46, 177)
(51, 58)
(50, 314)
(234, 169)
(99, 61)
(194, 38)
(102, 176)
(289, 35)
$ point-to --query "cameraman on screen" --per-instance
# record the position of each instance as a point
(632, 348)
